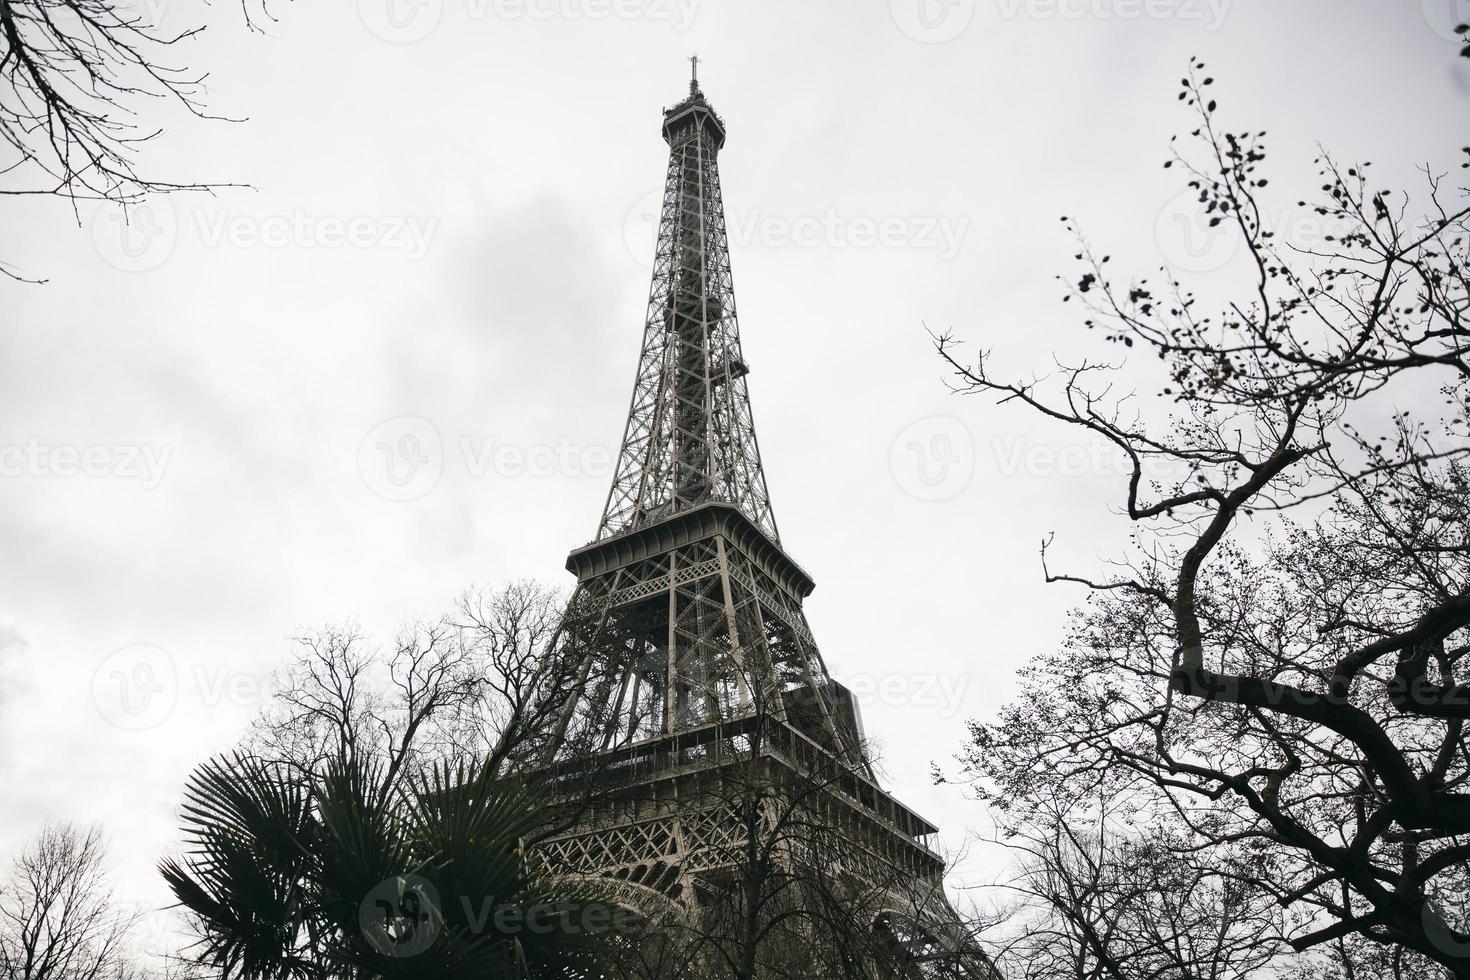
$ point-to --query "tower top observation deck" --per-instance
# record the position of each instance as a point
(695, 109)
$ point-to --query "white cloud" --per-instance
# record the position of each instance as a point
(524, 143)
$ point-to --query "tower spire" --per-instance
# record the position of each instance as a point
(690, 667)
(689, 439)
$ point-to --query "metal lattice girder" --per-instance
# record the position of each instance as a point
(689, 438)
(685, 627)
(686, 634)
(665, 822)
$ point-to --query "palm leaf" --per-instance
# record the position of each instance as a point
(250, 830)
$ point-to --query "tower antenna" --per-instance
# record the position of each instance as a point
(694, 74)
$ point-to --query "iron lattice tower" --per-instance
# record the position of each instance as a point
(686, 628)
(689, 438)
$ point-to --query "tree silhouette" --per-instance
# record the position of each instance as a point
(377, 821)
(354, 873)
(1278, 662)
(59, 919)
(81, 85)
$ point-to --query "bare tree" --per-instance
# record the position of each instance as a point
(1290, 689)
(1101, 891)
(783, 879)
(524, 674)
(371, 767)
(74, 72)
(480, 683)
(59, 917)
(84, 85)
(784, 893)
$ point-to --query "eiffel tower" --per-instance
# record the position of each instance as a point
(686, 627)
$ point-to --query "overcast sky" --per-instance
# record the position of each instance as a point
(448, 241)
